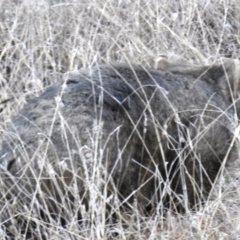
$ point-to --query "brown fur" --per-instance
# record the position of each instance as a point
(159, 136)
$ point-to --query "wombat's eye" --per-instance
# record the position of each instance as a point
(10, 163)
(72, 81)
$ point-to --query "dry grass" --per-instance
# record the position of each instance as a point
(42, 40)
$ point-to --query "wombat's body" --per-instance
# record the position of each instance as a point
(150, 134)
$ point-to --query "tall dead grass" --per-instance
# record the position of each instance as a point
(42, 40)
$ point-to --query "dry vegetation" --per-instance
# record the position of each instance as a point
(42, 40)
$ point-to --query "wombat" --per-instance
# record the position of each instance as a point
(158, 137)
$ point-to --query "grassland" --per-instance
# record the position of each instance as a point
(41, 41)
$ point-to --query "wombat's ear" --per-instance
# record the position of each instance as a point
(161, 63)
(227, 75)
(177, 65)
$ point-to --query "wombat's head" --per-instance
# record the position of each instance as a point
(227, 76)
(223, 75)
